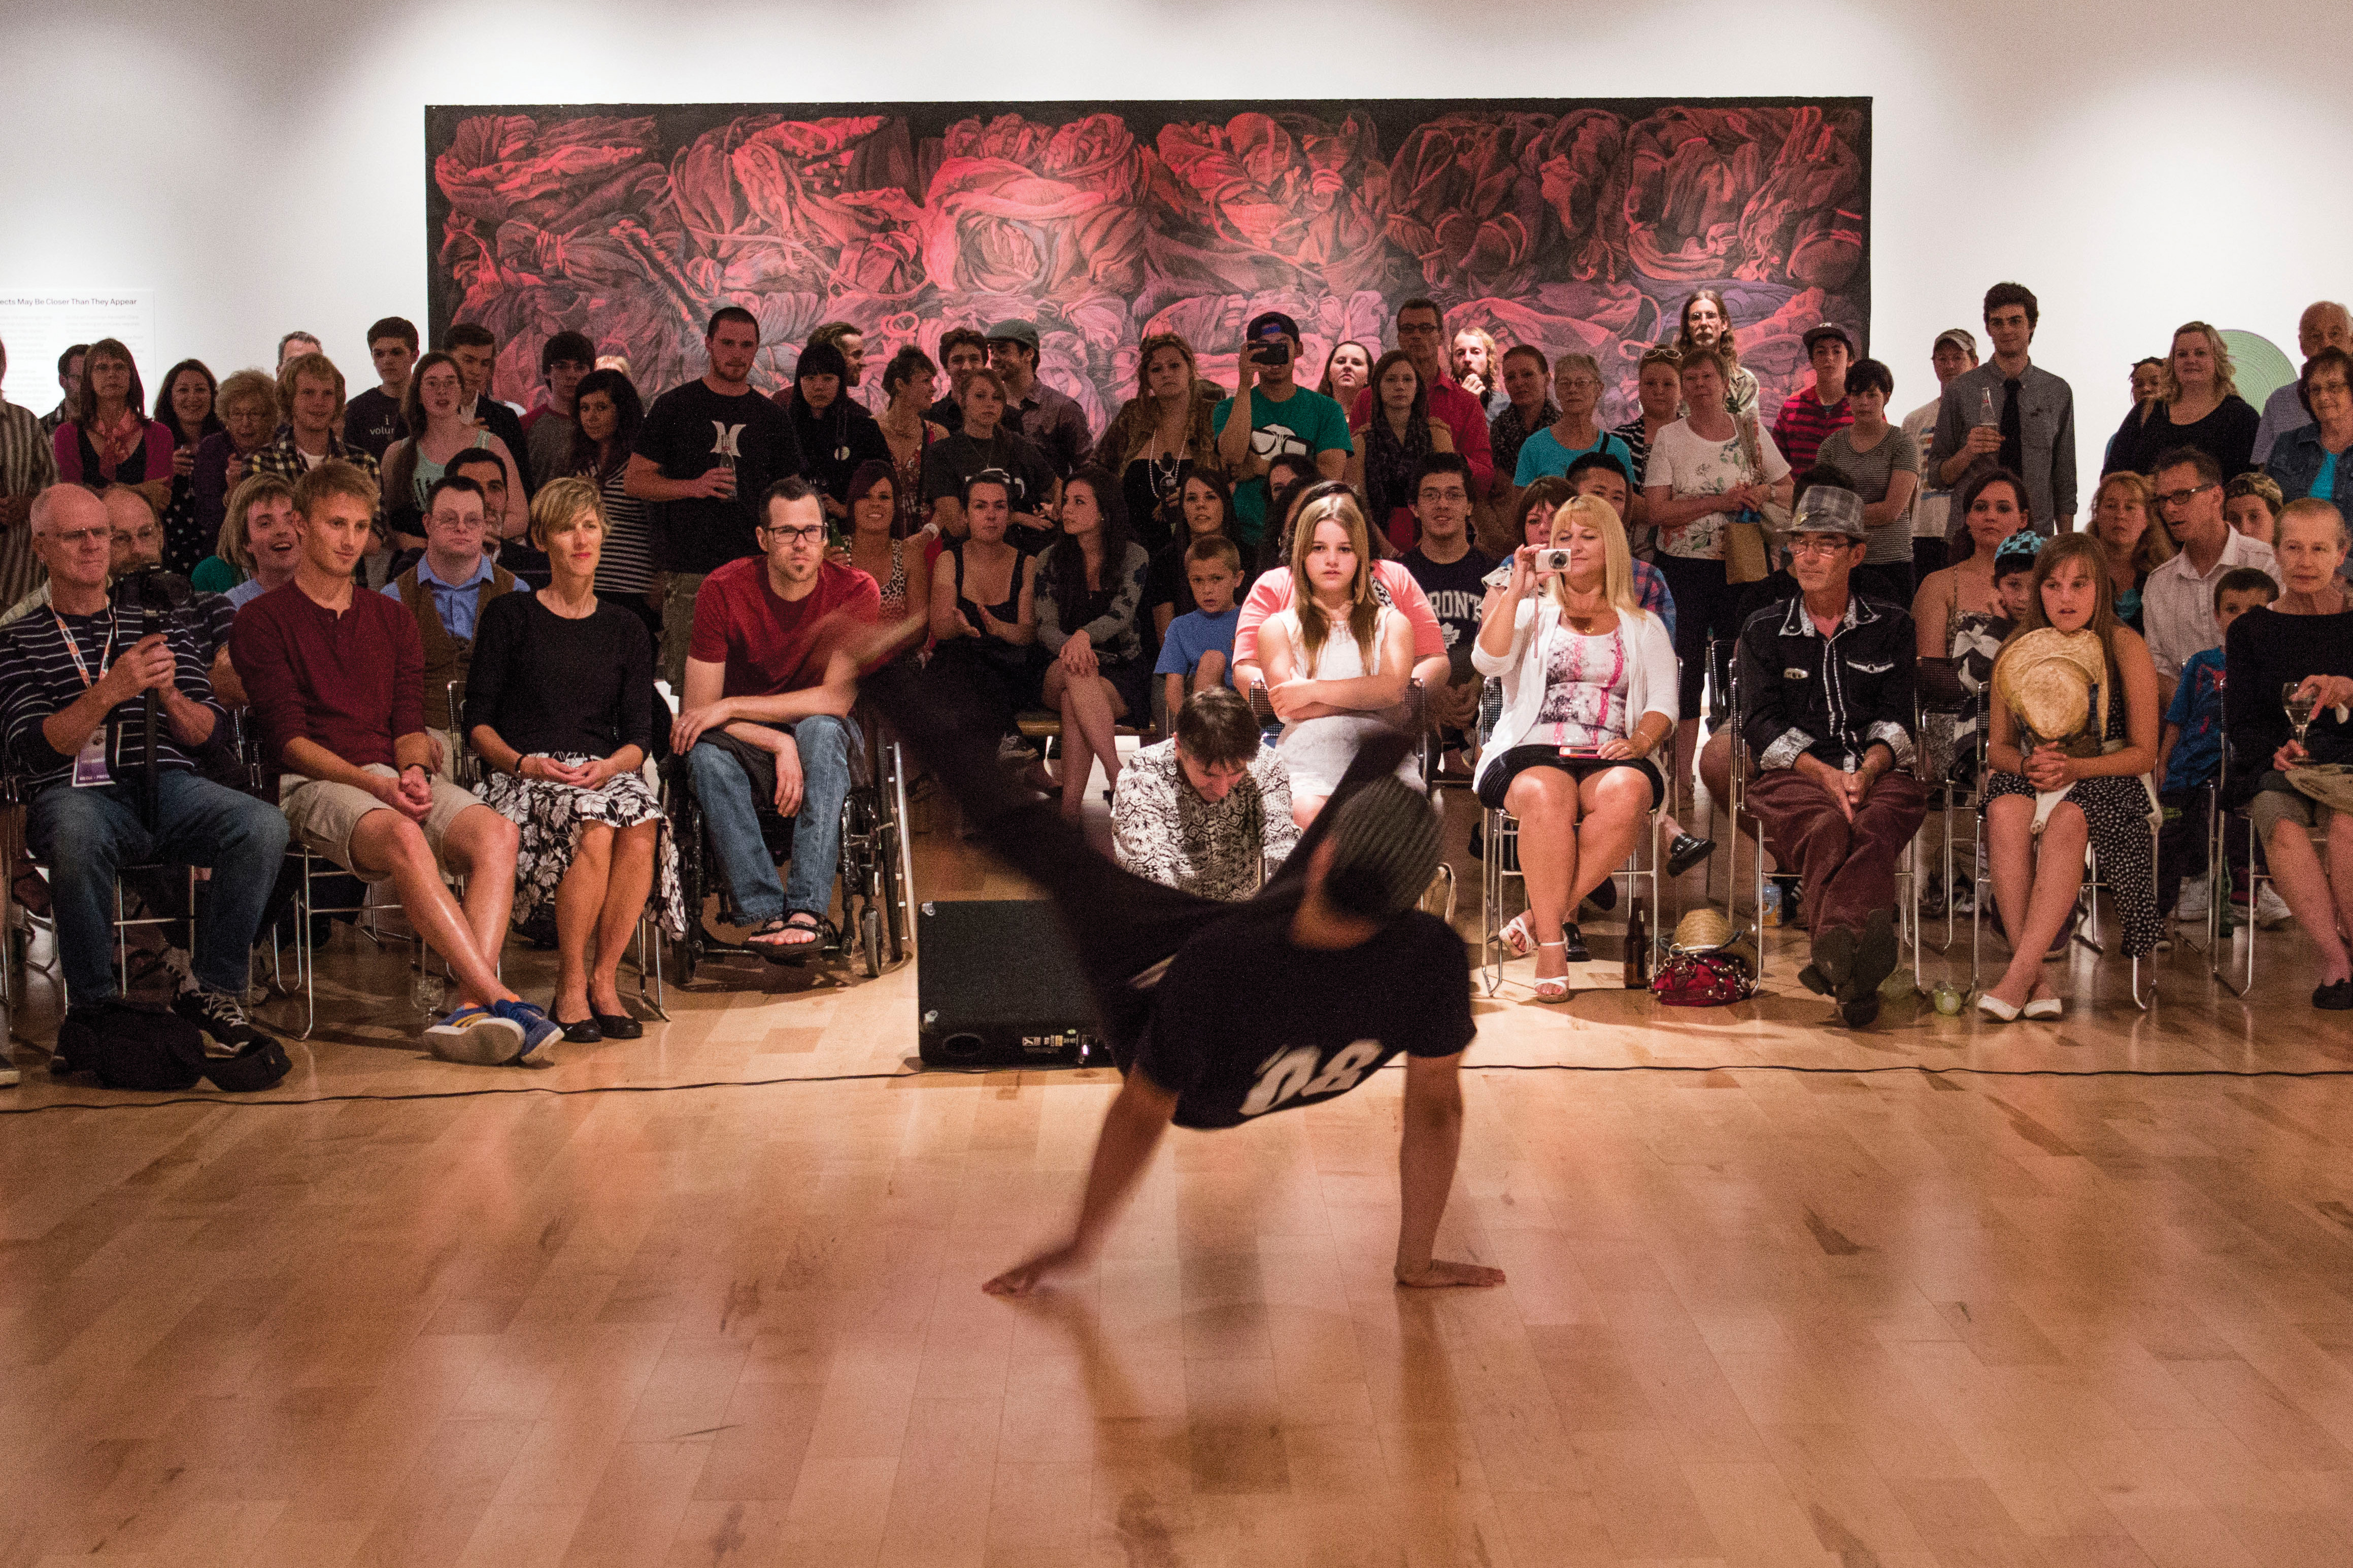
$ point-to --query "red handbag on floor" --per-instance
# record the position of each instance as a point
(1710, 979)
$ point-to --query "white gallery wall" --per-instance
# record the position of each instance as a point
(260, 166)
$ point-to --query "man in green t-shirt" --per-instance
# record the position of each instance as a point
(1284, 418)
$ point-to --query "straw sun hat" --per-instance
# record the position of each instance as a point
(2048, 679)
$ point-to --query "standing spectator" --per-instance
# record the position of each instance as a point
(2199, 406)
(294, 345)
(962, 351)
(1347, 371)
(337, 678)
(1450, 571)
(1706, 322)
(111, 440)
(836, 435)
(183, 405)
(311, 411)
(1090, 598)
(1956, 351)
(261, 544)
(2148, 391)
(1659, 401)
(1420, 332)
(1881, 466)
(1397, 437)
(2123, 523)
(705, 451)
(29, 464)
(1476, 364)
(246, 407)
(2013, 411)
(901, 567)
(1161, 437)
(1576, 387)
(474, 350)
(448, 590)
(2325, 324)
(548, 429)
(982, 444)
(70, 364)
(2178, 599)
(1278, 418)
(2252, 504)
(1198, 652)
(371, 423)
(1209, 810)
(845, 338)
(908, 431)
(1048, 420)
(1528, 408)
(444, 438)
(2310, 460)
(985, 606)
(607, 410)
(1821, 406)
(1205, 510)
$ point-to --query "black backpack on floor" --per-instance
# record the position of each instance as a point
(151, 1051)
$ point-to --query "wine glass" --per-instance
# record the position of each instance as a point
(2301, 704)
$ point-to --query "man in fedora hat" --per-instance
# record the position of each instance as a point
(1826, 700)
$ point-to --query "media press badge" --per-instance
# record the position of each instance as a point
(89, 762)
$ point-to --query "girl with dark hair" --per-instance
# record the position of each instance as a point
(875, 547)
(985, 606)
(1092, 587)
(606, 416)
(835, 434)
(183, 405)
(1397, 435)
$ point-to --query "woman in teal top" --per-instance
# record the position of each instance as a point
(1576, 387)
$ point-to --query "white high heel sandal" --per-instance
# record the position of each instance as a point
(1552, 988)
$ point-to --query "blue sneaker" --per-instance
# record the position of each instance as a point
(475, 1037)
(540, 1032)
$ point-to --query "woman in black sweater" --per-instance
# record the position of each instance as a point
(560, 703)
(2303, 640)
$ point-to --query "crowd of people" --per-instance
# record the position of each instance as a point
(1853, 614)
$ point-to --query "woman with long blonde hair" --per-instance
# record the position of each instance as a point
(2124, 520)
(1338, 660)
(1161, 437)
(1588, 698)
(2198, 405)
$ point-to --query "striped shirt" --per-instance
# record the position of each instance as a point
(626, 564)
(29, 464)
(38, 678)
(1803, 423)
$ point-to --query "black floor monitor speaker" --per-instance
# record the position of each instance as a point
(995, 986)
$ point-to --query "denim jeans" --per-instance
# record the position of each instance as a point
(87, 834)
(732, 818)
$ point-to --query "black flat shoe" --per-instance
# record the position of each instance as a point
(2334, 998)
(618, 1026)
(580, 1031)
(1574, 940)
(1604, 896)
(1686, 852)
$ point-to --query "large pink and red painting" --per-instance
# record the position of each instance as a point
(1571, 226)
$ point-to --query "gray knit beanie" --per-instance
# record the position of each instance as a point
(1384, 851)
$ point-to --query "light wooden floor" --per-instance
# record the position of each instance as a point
(1860, 1316)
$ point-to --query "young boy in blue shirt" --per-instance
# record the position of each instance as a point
(2189, 753)
(1199, 651)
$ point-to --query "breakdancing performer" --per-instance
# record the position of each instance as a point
(1217, 1012)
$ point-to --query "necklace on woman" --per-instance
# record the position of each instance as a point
(1582, 621)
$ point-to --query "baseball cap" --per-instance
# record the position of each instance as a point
(1828, 330)
(2017, 552)
(1384, 847)
(1960, 338)
(1271, 324)
(1828, 509)
(1015, 332)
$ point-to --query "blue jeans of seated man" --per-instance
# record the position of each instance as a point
(725, 792)
(87, 834)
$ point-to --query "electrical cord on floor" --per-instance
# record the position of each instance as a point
(982, 1071)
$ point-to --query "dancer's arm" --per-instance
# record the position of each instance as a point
(1431, 1144)
(1131, 1131)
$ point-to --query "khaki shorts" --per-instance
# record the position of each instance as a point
(324, 816)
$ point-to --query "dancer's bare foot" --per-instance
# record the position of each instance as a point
(1438, 1273)
(1027, 1277)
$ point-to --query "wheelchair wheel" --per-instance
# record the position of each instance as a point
(686, 832)
(869, 939)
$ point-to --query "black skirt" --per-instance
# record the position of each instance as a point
(1495, 780)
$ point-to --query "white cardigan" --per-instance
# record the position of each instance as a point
(1650, 674)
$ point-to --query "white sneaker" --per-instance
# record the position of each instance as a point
(2270, 909)
(2190, 908)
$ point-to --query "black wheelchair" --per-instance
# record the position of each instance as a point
(876, 876)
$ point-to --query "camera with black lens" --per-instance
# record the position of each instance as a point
(1276, 351)
(151, 591)
(1552, 562)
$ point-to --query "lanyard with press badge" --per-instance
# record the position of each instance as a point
(89, 762)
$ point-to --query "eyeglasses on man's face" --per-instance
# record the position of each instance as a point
(2182, 497)
(807, 533)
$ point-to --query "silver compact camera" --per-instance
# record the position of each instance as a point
(1552, 562)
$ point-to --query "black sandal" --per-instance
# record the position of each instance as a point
(784, 951)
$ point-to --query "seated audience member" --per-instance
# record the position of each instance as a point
(1090, 595)
(1815, 410)
(1396, 436)
(551, 426)
(2252, 504)
(560, 706)
(985, 608)
(1347, 371)
(1338, 662)
(706, 456)
(2324, 324)
(1589, 697)
(2178, 599)
(1197, 654)
(1160, 439)
(1826, 694)
(136, 540)
(111, 440)
(909, 432)
(1576, 389)
(1209, 811)
(446, 591)
(2311, 459)
(311, 415)
(1658, 400)
(1205, 510)
(440, 434)
(1706, 322)
(1477, 365)
(474, 350)
(836, 435)
(2303, 642)
(607, 417)
(372, 421)
(184, 403)
(1272, 416)
(247, 404)
(294, 345)
(511, 551)
(983, 444)
(901, 567)
(963, 350)
(72, 686)
(758, 725)
(2135, 547)
(337, 678)
(2044, 803)
(1960, 617)
(1881, 465)
(1599, 474)
(1048, 420)
(1289, 478)
(2199, 406)
(2189, 750)
(259, 546)
(1527, 407)
(1452, 575)
(1954, 354)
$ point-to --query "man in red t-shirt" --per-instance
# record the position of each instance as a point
(755, 703)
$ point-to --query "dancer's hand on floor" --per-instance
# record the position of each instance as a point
(1438, 1273)
(1021, 1282)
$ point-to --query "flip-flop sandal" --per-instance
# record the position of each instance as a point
(784, 951)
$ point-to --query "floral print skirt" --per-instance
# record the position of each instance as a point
(549, 816)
